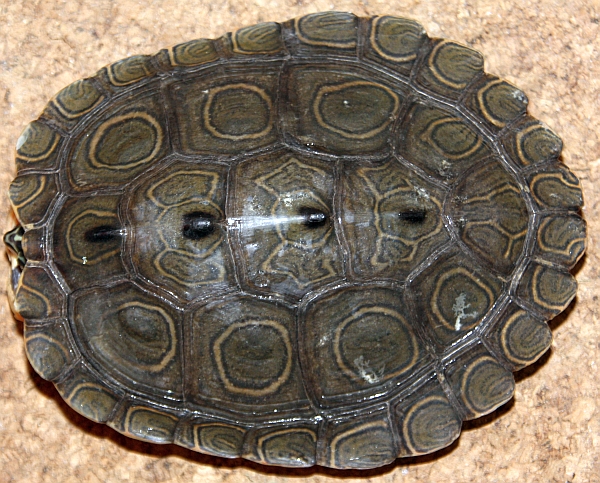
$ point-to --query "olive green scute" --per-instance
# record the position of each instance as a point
(121, 143)
(188, 262)
(520, 337)
(490, 215)
(561, 239)
(144, 422)
(291, 445)
(479, 381)
(212, 437)
(48, 349)
(392, 219)
(38, 295)
(556, 187)
(357, 339)
(37, 147)
(34, 245)
(339, 112)
(87, 240)
(31, 196)
(439, 142)
(449, 68)
(364, 441)
(262, 38)
(394, 42)
(133, 335)
(225, 115)
(243, 353)
(73, 102)
(531, 142)
(547, 289)
(288, 255)
(130, 70)
(86, 393)
(427, 421)
(453, 295)
(323, 33)
(192, 53)
(496, 102)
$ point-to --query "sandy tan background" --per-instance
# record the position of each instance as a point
(550, 432)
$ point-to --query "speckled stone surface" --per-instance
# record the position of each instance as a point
(549, 432)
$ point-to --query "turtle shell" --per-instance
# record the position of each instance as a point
(328, 241)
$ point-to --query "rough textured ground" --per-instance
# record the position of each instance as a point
(550, 432)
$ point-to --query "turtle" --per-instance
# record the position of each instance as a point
(327, 241)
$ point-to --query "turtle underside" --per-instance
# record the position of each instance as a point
(327, 241)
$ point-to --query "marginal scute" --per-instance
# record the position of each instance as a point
(548, 289)
(449, 68)
(427, 420)
(491, 216)
(326, 31)
(130, 70)
(34, 244)
(48, 349)
(561, 239)
(531, 142)
(38, 296)
(556, 187)
(439, 142)
(290, 445)
(263, 38)
(31, 196)
(145, 423)
(520, 337)
(479, 381)
(73, 102)
(37, 147)
(192, 53)
(395, 42)
(212, 437)
(87, 394)
(360, 442)
(496, 102)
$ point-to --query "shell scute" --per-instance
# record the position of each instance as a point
(49, 349)
(426, 419)
(449, 68)
(88, 394)
(37, 147)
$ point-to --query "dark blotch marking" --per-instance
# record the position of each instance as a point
(312, 218)
(413, 216)
(198, 225)
(101, 234)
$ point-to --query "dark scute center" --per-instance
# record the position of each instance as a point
(312, 217)
(103, 233)
(413, 216)
(198, 225)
